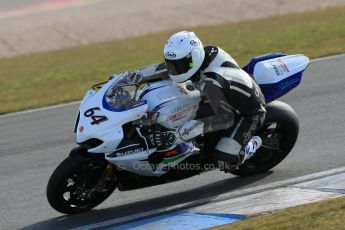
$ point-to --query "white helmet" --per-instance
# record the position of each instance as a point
(184, 55)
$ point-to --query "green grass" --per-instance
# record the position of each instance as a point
(328, 215)
(42, 79)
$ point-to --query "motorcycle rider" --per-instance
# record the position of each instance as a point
(235, 98)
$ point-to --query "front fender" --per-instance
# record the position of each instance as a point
(81, 154)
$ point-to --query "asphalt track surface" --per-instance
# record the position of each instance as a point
(33, 144)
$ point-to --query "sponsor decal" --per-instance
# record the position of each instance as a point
(279, 67)
(128, 152)
(81, 129)
(276, 70)
(179, 108)
(194, 43)
(186, 131)
(182, 114)
(283, 66)
(170, 54)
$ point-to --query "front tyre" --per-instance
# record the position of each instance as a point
(78, 185)
(278, 133)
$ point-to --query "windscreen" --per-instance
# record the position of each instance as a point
(123, 93)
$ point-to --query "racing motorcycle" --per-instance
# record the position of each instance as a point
(117, 120)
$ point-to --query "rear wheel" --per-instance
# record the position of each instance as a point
(278, 133)
(79, 185)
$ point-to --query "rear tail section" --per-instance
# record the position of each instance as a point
(277, 73)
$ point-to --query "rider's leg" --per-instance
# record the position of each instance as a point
(228, 148)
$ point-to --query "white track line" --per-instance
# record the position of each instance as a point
(225, 196)
(76, 102)
(40, 109)
(327, 58)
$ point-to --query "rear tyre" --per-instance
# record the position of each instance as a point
(79, 185)
(278, 133)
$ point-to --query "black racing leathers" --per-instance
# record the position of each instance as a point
(235, 98)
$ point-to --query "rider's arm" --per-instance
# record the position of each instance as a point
(223, 117)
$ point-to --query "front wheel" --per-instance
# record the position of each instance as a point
(78, 185)
(278, 133)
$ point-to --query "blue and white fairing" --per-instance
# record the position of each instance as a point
(277, 73)
(120, 101)
(102, 114)
(175, 103)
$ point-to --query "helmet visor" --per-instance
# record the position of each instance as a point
(179, 66)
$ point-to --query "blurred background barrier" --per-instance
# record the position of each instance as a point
(28, 26)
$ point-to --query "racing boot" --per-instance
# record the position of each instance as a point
(229, 155)
(253, 145)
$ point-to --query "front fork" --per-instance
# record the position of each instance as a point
(108, 176)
